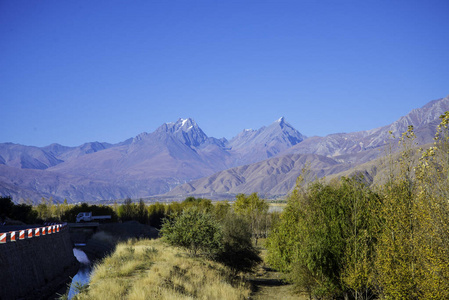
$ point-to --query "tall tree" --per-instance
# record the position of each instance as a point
(142, 212)
(127, 211)
(397, 257)
(362, 211)
(324, 239)
(255, 210)
(432, 217)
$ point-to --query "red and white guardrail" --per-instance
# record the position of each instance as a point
(11, 236)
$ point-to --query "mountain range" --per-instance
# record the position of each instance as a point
(178, 160)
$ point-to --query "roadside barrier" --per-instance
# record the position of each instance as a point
(23, 234)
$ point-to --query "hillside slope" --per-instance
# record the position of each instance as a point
(179, 159)
(327, 155)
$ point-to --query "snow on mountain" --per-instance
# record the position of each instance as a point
(327, 155)
(180, 152)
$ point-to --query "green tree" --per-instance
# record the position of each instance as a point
(221, 210)
(173, 209)
(227, 240)
(44, 209)
(142, 212)
(285, 234)
(255, 210)
(362, 223)
(127, 211)
(238, 251)
(324, 239)
(156, 214)
(194, 230)
(313, 253)
(201, 203)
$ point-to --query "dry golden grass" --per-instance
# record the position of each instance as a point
(149, 269)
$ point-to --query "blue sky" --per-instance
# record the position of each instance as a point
(79, 71)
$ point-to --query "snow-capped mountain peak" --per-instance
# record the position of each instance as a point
(185, 130)
(185, 124)
(280, 120)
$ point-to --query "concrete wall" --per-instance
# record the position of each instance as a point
(28, 266)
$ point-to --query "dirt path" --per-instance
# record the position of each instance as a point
(268, 284)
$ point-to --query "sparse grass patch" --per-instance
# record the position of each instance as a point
(150, 269)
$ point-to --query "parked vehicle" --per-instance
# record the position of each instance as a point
(87, 217)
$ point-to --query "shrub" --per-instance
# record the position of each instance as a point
(227, 241)
(238, 252)
(194, 230)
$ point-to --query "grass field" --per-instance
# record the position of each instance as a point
(149, 269)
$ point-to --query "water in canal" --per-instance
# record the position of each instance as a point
(83, 275)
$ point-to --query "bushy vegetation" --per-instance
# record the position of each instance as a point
(157, 212)
(324, 239)
(255, 210)
(344, 239)
(154, 214)
(238, 251)
(195, 230)
(224, 238)
(133, 211)
(150, 269)
(21, 212)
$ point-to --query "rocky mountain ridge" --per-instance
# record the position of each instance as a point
(343, 151)
(179, 159)
(148, 164)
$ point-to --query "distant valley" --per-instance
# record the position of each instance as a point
(178, 159)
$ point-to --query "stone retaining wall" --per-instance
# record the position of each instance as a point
(30, 265)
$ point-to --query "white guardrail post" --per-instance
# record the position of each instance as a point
(12, 236)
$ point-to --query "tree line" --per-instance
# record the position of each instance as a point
(252, 207)
(345, 239)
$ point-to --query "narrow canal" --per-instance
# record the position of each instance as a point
(83, 275)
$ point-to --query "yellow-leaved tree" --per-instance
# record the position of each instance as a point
(396, 255)
(432, 216)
